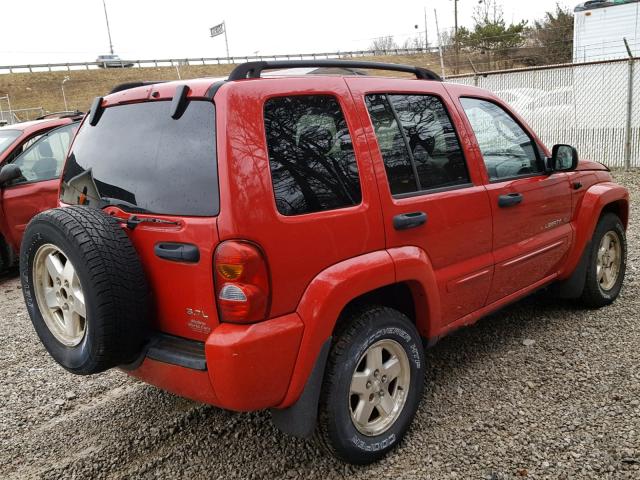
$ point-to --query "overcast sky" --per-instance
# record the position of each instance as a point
(39, 31)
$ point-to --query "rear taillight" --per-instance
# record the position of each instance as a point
(241, 282)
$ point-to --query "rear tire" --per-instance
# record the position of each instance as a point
(382, 340)
(607, 263)
(84, 288)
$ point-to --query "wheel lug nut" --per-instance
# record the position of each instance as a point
(381, 393)
(384, 378)
(368, 384)
(66, 283)
(371, 397)
(376, 373)
(58, 282)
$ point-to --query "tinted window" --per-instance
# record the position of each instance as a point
(418, 143)
(313, 165)
(506, 148)
(397, 161)
(140, 158)
(45, 158)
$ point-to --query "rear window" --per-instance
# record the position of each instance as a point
(139, 158)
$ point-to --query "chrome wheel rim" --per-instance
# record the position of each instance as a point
(379, 387)
(59, 295)
(609, 259)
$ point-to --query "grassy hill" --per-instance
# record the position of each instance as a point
(42, 89)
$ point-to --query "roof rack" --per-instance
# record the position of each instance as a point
(128, 85)
(254, 69)
(63, 114)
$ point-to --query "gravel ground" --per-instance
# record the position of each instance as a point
(540, 390)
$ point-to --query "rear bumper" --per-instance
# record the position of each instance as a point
(247, 367)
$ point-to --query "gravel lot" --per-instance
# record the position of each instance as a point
(497, 406)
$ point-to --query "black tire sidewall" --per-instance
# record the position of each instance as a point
(609, 222)
(79, 357)
(356, 447)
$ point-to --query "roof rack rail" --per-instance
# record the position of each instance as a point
(128, 85)
(62, 114)
(254, 69)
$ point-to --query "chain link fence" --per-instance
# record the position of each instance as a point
(594, 106)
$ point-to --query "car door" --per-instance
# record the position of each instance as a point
(37, 189)
(421, 165)
(531, 209)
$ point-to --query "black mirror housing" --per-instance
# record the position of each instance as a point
(564, 158)
(8, 173)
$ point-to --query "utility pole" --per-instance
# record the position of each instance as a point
(108, 29)
(426, 36)
(455, 38)
(435, 12)
(64, 96)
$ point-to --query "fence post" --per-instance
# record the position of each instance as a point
(628, 130)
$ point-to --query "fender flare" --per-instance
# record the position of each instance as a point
(586, 217)
(323, 301)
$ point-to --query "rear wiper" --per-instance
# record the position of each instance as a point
(130, 207)
(133, 221)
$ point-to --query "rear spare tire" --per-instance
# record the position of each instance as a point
(84, 288)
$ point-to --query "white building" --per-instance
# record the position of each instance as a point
(600, 27)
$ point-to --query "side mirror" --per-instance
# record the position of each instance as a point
(564, 158)
(8, 173)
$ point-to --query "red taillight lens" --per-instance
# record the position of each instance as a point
(241, 281)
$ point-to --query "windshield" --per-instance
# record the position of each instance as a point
(139, 158)
(7, 137)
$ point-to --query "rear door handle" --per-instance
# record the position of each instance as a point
(177, 252)
(509, 200)
(406, 221)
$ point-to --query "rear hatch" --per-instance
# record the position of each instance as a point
(158, 174)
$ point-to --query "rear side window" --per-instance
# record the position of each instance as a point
(311, 156)
(418, 143)
(139, 158)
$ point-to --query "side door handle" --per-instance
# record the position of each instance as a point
(509, 200)
(406, 221)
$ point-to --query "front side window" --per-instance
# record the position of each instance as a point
(44, 159)
(7, 137)
(418, 143)
(506, 148)
(311, 157)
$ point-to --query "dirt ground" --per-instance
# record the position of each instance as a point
(565, 406)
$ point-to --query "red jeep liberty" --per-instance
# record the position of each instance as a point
(290, 243)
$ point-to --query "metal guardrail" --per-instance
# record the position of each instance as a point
(171, 62)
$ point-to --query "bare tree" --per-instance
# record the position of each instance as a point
(416, 42)
(383, 44)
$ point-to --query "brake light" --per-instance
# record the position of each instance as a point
(241, 282)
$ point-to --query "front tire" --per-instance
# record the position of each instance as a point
(607, 263)
(372, 387)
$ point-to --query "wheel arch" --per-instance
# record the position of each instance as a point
(599, 199)
(400, 278)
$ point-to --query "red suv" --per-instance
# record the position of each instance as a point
(290, 243)
(34, 147)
